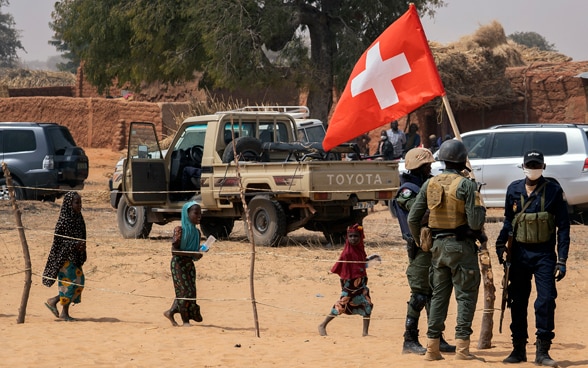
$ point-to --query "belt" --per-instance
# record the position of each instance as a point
(444, 235)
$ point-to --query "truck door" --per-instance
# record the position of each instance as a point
(145, 174)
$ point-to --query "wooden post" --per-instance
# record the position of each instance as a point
(252, 240)
(485, 340)
(22, 311)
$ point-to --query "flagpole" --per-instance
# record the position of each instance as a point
(485, 340)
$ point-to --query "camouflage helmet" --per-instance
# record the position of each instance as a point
(453, 151)
(417, 157)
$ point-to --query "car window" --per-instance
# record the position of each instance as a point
(61, 138)
(18, 141)
(511, 144)
(550, 143)
(314, 133)
(476, 145)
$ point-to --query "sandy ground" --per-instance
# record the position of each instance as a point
(128, 286)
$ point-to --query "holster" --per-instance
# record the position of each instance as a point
(411, 248)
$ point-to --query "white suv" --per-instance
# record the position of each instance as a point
(496, 157)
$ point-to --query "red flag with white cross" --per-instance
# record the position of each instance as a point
(396, 75)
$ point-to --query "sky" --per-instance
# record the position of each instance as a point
(563, 23)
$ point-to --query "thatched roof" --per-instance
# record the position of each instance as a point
(24, 78)
(473, 68)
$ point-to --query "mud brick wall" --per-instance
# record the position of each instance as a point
(93, 122)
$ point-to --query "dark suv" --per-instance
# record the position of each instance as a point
(43, 159)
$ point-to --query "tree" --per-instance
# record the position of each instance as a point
(532, 39)
(9, 39)
(235, 43)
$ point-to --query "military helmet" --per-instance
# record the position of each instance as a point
(453, 151)
(417, 157)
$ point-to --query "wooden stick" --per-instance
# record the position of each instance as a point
(22, 311)
(251, 237)
(485, 340)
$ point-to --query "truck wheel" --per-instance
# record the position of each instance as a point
(218, 227)
(18, 191)
(132, 220)
(249, 148)
(268, 221)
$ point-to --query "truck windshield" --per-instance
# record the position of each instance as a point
(194, 135)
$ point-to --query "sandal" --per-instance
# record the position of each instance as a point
(53, 309)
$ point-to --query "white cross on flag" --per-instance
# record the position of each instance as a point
(396, 75)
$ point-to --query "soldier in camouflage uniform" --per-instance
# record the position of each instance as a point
(418, 162)
(456, 219)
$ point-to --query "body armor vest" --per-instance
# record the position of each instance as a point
(447, 211)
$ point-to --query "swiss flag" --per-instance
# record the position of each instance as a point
(395, 76)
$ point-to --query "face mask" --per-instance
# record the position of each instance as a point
(533, 174)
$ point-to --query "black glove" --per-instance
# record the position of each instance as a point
(560, 270)
(501, 253)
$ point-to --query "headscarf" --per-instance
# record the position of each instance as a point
(353, 257)
(69, 231)
(190, 233)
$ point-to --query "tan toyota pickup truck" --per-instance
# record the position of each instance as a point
(287, 184)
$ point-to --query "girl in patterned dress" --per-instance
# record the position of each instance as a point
(66, 257)
(351, 268)
(186, 239)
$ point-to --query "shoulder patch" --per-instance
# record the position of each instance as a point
(406, 193)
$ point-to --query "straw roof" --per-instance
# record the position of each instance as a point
(25, 78)
(473, 68)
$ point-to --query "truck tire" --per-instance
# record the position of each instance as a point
(249, 148)
(218, 227)
(268, 221)
(132, 220)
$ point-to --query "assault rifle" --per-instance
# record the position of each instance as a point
(505, 280)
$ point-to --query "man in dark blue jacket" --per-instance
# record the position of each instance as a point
(536, 217)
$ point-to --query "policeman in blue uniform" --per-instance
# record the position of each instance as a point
(418, 162)
(533, 254)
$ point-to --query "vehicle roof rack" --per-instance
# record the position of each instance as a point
(534, 125)
(297, 112)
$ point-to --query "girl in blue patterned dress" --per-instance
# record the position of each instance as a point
(186, 239)
(66, 257)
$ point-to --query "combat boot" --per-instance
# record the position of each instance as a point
(411, 338)
(519, 352)
(462, 350)
(433, 350)
(542, 355)
(445, 347)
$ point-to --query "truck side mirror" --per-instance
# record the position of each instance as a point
(142, 151)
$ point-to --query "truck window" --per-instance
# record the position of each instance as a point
(273, 132)
(194, 135)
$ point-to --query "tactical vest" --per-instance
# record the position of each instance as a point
(447, 211)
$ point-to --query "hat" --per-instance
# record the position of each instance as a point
(533, 155)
